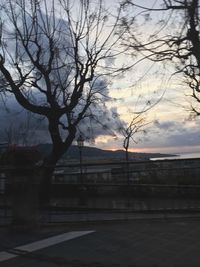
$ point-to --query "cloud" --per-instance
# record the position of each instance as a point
(167, 136)
(101, 121)
(103, 124)
(20, 125)
(168, 126)
(173, 133)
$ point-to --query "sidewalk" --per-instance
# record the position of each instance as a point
(65, 217)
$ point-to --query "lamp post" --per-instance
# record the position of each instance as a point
(80, 143)
(126, 145)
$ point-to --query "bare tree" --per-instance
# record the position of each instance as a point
(55, 56)
(176, 41)
(130, 131)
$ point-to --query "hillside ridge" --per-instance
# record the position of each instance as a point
(94, 152)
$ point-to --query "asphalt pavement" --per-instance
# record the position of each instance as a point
(172, 242)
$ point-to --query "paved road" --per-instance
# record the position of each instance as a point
(139, 243)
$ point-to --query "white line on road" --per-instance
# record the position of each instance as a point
(42, 244)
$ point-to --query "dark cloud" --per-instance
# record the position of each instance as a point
(172, 133)
(167, 125)
(101, 121)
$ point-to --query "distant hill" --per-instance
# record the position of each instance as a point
(90, 153)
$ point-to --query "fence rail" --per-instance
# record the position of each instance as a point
(158, 186)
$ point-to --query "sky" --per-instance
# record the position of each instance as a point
(171, 128)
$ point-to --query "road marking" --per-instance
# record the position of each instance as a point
(20, 250)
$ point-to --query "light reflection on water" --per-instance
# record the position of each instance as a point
(180, 156)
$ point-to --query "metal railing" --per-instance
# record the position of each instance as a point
(112, 188)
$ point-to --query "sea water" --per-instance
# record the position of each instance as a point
(180, 156)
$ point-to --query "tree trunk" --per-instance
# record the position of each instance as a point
(127, 167)
(46, 172)
(25, 202)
